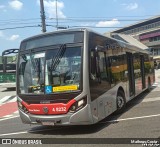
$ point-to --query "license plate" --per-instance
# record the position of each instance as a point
(48, 123)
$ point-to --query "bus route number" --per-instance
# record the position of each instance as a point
(59, 109)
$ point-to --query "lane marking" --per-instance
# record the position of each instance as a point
(9, 117)
(4, 99)
(16, 112)
(111, 121)
(25, 132)
(13, 100)
(132, 118)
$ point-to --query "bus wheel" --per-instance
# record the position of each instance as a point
(121, 102)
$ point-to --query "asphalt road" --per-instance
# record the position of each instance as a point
(140, 120)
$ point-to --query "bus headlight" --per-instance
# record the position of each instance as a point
(78, 105)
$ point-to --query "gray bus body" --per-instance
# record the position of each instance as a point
(104, 75)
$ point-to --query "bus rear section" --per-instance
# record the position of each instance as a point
(52, 80)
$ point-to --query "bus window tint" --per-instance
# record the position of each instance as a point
(99, 80)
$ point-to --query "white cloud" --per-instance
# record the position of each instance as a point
(87, 24)
(13, 37)
(16, 4)
(131, 6)
(50, 8)
(110, 23)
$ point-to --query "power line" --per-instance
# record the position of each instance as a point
(96, 19)
(81, 26)
(65, 21)
(62, 21)
(80, 18)
(69, 20)
(19, 20)
(20, 27)
(24, 23)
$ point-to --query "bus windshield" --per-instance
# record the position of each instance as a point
(53, 71)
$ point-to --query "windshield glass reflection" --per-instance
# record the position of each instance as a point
(31, 73)
(63, 70)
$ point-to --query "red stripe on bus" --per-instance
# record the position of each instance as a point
(49, 109)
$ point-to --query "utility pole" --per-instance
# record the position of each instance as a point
(43, 16)
(56, 16)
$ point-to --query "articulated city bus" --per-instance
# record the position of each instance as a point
(8, 68)
(78, 77)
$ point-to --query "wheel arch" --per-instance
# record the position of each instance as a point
(121, 93)
(121, 89)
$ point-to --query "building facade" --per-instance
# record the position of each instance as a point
(147, 32)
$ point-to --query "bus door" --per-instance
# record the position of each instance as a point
(142, 71)
(130, 74)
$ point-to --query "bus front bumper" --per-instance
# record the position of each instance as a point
(81, 117)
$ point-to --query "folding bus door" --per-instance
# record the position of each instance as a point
(131, 74)
(142, 71)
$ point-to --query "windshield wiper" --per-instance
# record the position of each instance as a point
(57, 57)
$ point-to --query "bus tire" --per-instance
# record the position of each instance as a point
(121, 102)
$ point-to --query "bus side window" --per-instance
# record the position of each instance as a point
(99, 80)
(98, 67)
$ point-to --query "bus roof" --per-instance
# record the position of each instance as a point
(55, 32)
(120, 42)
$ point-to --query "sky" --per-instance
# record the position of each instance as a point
(20, 19)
